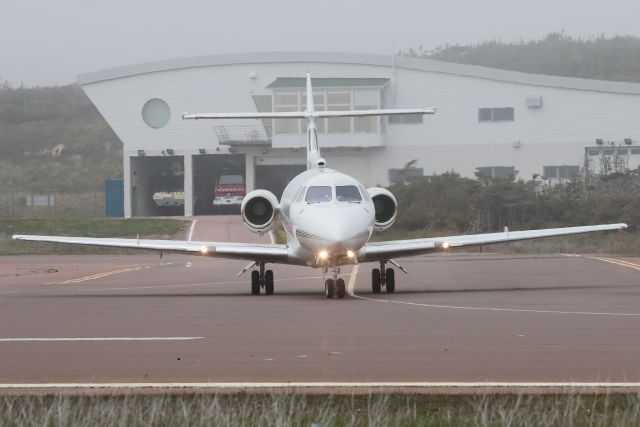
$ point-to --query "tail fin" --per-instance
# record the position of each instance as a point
(314, 159)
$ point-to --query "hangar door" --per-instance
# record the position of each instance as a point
(276, 177)
(207, 170)
(157, 185)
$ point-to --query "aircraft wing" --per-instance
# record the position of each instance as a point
(245, 251)
(376, 251)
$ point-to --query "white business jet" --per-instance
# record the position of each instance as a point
(328, 217)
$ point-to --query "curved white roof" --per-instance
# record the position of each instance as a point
(411, 63)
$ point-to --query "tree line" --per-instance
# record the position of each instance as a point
(449, 202)
(603, 58)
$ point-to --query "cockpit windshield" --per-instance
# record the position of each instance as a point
(348, 193)
(318, 194)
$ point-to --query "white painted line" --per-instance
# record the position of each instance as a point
(191, 230)
(311, 385)
(102, 339)
(352, 279)
(499, 309)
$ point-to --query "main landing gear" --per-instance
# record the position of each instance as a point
(383, 277)
(262, 279)
(334, 285)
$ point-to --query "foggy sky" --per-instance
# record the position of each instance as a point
(46, 42)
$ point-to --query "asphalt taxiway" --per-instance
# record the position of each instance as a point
(455, 319)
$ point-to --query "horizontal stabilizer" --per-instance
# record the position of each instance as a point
(365, 113)
(306, 115)
(276, 115)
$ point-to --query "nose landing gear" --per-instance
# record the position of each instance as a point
(383, 277)
(262, 279)
(335, 285)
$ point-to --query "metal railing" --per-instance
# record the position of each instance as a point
(244, 135)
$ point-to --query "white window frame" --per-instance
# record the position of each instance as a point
(274, 108)
(325, 96)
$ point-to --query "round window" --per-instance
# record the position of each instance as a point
(156, 113)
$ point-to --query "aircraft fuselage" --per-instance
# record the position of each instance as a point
(328, 217)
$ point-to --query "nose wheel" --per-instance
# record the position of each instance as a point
(383, 277)
(262, 279)
(335, 286)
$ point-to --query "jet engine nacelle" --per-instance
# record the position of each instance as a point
(386, 207)
(259, 210)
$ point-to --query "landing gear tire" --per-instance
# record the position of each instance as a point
(375, 281)
(390, 281)
(329, 288)
(268, 282)
(255, 283)
(341, 288)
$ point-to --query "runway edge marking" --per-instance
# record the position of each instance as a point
(311, 385)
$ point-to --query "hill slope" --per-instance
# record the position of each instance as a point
(616, 58)
(37, 122)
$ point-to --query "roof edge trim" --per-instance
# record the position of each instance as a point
(410, 63)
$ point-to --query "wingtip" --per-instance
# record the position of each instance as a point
(16, 237)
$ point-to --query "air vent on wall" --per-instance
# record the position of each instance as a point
(534, 102)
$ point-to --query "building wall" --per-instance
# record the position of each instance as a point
(453, 139)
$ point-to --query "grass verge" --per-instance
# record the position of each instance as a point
(82, 227)
(326, 410)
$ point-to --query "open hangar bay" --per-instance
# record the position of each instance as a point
(467, 318)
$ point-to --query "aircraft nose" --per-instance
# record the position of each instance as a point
(340, 230)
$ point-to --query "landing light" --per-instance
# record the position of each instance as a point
(442, 245)
(323, 254)
(204, 250)
(350, 254)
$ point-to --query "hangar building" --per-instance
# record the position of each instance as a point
(489, 121)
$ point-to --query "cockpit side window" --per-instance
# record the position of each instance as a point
(365, 195)
(348, 193)
(317, 194)
(300, 194)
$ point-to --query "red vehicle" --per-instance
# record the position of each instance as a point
(229, 191)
